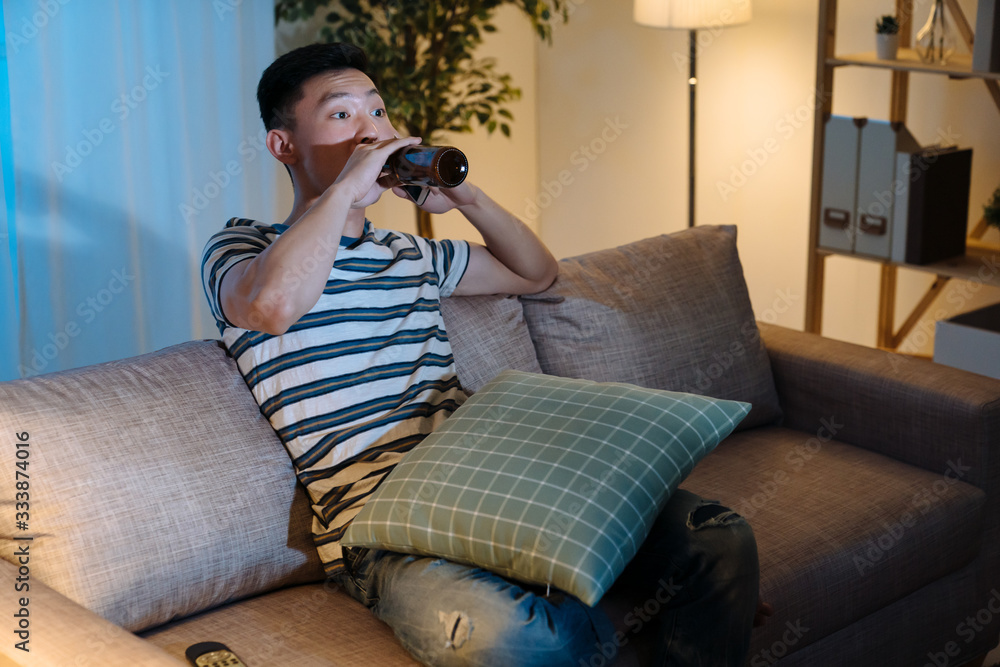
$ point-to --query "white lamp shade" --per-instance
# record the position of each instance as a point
(691, 14)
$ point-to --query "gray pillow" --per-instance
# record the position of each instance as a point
(669, 312)
(488, 335)
(157, 488)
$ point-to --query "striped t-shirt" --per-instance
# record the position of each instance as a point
(362, 377)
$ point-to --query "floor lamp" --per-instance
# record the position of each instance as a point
(691, 15)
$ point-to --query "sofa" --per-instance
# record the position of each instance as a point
(161, 510)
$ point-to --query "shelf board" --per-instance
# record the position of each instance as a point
(978, 264)
(908, 60)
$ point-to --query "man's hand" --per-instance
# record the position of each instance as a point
(442, 200)
(764, 611)
(513, 261)
(362, 177)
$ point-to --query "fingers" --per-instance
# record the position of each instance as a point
(365, 154)
(764, 610)
(364, 173)
(387, 146)
(397, 142)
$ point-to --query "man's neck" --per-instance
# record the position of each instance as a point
(353, 227)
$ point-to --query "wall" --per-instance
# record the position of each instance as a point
(756, 100)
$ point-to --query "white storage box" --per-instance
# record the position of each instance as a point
(970, 341)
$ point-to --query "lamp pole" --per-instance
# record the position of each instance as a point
(692, 86)
(691, 15)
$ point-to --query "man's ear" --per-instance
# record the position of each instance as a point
(279, 143)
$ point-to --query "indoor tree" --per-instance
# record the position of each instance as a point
(422, 55)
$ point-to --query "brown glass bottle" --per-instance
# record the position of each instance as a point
(436, 166)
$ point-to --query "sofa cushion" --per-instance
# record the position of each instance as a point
(863, 528)
(59, 632)
(545, 480)
(157, 488)
(488, 334)
(303, 626)
(669, 312)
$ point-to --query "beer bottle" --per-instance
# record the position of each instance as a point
(435, 166)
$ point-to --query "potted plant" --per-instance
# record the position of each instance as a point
(991, 211)
(886, 37)
(425, 54)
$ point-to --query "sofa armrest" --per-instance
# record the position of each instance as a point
(936, 417)
(61, 632)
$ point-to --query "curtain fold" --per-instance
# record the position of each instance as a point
(9, 302)
(134, 137)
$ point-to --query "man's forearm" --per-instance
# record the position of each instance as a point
(510, 240)
(275, 289)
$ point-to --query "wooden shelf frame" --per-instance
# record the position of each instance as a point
(909, 61)
(981, 263)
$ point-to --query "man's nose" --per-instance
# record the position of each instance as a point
(369, 133)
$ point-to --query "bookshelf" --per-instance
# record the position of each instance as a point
(981, 263)
(908, 61)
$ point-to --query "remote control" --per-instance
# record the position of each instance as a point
(212, 654)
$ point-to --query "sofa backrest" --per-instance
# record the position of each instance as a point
(488, 334)
(156, 487)
(669, 312)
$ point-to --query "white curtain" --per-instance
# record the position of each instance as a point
(134, 135)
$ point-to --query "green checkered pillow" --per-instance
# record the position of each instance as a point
(544, 479)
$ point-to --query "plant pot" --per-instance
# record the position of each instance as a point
(886, 46)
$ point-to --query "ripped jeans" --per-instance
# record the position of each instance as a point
(687, 598)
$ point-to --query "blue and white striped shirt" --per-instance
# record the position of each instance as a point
(362, 377)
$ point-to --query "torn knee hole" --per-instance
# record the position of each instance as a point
(711, 513)
(457, 628)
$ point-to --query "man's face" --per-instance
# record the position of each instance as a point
(338, 111)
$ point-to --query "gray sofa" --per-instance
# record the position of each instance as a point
(163, 510)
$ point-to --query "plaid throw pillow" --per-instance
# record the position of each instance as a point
(545, 480)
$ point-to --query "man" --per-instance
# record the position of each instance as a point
(336, 327)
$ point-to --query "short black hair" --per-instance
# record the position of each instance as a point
(280, 87)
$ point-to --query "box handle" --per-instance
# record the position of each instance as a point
(836, 217)
(873, 224)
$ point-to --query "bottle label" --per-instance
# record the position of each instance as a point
(420, 158)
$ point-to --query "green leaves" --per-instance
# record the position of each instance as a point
(887, 25)
(297, 10)
(422, 56)
(991, 211)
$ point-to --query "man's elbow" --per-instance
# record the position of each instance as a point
(545, 281)
(550, 278)
(270, 314)
(551, 273)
